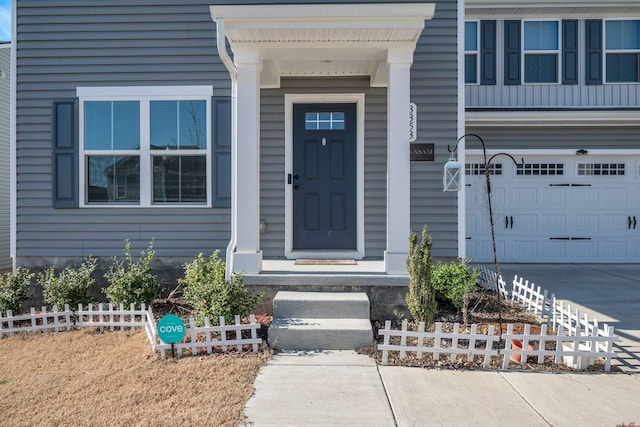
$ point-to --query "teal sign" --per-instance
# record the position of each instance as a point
(171, 328)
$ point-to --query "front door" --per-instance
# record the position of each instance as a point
(324, 177)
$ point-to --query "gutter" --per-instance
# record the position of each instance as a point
(221, 42)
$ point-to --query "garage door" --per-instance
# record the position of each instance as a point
(562, 209)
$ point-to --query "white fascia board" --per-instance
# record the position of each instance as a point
(143, 91)
(552, 118)
(342, 12)
(489, 4)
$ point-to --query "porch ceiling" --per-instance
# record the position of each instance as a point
(323, 40)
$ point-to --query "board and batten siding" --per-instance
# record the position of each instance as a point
(64, 44)
(5, 198)
(434, 89)
(553, 138)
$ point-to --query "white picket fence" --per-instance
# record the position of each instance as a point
(573, 324)
(206, 338)
(532, 298)
(488, 281)
(106, 316)
(44, 321)
(438, 342)
(586, 349)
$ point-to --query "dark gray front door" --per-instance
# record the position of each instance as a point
(324, 177)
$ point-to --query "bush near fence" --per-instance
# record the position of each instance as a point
(106, 316)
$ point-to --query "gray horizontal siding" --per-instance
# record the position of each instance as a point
(553, 96)
(5, 199)
(504, 138)
(434, 91)
(65, 44)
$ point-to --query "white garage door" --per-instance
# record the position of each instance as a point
(556, 209)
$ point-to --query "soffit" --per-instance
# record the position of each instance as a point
(323, 40)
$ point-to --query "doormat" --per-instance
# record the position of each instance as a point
(325, 262)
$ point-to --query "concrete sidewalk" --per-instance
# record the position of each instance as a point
(342, 388)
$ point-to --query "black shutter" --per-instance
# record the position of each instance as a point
(64, 138)
(221, 151)
(488, 52)
(570, 51)
(593, 38)
(512, 52)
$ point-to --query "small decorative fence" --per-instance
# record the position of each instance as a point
(44, 321)
(106, 316)
(577, 337)
(438, 342)
(578, 351)
(206, 338)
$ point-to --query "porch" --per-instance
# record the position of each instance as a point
(386, 292)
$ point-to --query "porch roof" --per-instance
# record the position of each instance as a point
(322, 40)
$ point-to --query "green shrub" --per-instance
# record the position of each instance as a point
(421, 296)
(452, 280)
(13, 290)
(211, 295)
(70, 287)
(129, 281)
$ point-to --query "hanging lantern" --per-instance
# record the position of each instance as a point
(452, 178)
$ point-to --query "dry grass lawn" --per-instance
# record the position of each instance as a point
(87, 378)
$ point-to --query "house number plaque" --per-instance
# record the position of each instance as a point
(422, 152)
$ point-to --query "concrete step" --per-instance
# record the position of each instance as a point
(321, 305)
(319, 334)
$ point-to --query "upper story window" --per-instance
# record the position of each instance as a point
(541, 51)
(145, 150)
(471, 52)
(622, 51)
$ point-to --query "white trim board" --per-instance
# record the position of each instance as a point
(289, 100)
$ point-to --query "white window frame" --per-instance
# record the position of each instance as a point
(144, 95)
(557, 52)
(475, 52)
(615, 51)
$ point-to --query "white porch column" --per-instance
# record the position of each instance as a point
(398, 164)
(248, 256)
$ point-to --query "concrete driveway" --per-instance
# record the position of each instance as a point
(607, 292)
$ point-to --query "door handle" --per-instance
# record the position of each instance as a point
(629, 222)
(296, 187)
(506, 222)
(634, 222)
(511, 222)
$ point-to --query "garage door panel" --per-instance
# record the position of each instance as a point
(553, 249)
(586, 223)
(586, 197)
(615, 224)
(615, 196)
(554, 196)
(525, 249)
(614, 249)
(584, 249)
(525, 196)
(554, 224)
